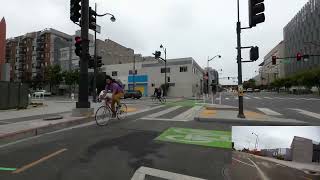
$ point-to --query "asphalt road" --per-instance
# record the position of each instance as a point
(245, 166)
(299, 107)
(115, 152)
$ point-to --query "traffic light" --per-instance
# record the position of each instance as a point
(228, 78)
(299, 56)
(254, 53)
(274, 60)
(78, 46)
(75, 8)
(157, 54)
(256, 15)
(99, 61)
(92, 19)
(91, 62)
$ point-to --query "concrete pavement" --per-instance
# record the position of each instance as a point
(118, 151)
(246, 166)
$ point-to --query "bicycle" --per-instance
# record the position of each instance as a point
(104, 113)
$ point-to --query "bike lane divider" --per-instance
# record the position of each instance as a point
(34, 163)
(208, 138)
(7, 169)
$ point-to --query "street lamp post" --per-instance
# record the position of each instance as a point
(256, 144)
(113, 19)
(165, 67)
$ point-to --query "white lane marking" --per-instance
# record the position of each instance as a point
(189, 114)
(243, 162)
(160, 119)
(142, 171)
(262, 175)
(281, 165)
(308, 113)
(166, 111)
(267, 97)
(257, 97)
(268, 111)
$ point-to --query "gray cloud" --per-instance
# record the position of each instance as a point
(186, 27)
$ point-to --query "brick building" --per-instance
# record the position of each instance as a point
(2, 43)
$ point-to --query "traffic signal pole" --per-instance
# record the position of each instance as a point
(83, 77)
(240, 114)
(94, 92)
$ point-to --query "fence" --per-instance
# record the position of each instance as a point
(13, 95)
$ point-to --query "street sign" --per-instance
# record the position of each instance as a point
(98, 28)
(240, 90)
(209, 138)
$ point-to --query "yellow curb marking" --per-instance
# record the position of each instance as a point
(38, 161)
(208, 113)
(253, 114)
(131, 109)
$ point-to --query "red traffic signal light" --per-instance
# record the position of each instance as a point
(299, 56)
(274, 60)
(78, 49)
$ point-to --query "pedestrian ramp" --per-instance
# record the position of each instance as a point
(182, 114)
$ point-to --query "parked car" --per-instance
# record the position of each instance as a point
(256, 90)
(41, 93)
(249, 90)
(132, 94)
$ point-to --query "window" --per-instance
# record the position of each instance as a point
(183, 69)
(114, 73)
(163, 70)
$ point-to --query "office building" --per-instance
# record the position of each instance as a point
(301, 35)
(301, 149)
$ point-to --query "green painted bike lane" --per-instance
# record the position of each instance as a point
(209, 138)
(184, 103)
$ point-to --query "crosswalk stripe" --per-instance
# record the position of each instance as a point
(246, 97)
(257, 97)
(268, 111)
(160, 113)
(189, 114)
(236, 98)
(227, 98)
(267, 97)
(308, 113)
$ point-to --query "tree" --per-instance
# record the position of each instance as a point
(53, 76)
(316, 73)
(71, 79)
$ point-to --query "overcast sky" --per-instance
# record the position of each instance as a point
(187, 28)
(272, 136)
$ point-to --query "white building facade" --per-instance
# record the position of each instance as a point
(184, 76)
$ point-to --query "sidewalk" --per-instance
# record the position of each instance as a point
(228, 114)
(315, 167)
(23, 129)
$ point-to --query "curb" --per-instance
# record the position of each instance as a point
(251, 122)
(41, 130)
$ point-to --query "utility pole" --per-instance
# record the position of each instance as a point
(134, 72)
(83, 77)
(165, 73)
(94, 93)
(239, 59)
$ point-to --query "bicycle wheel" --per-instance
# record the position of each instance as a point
(122, 111)
(103, 116)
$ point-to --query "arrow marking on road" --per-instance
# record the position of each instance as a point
(243, 162)
(262, 175)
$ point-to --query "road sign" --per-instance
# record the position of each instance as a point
(209, 138)
(98, 28)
